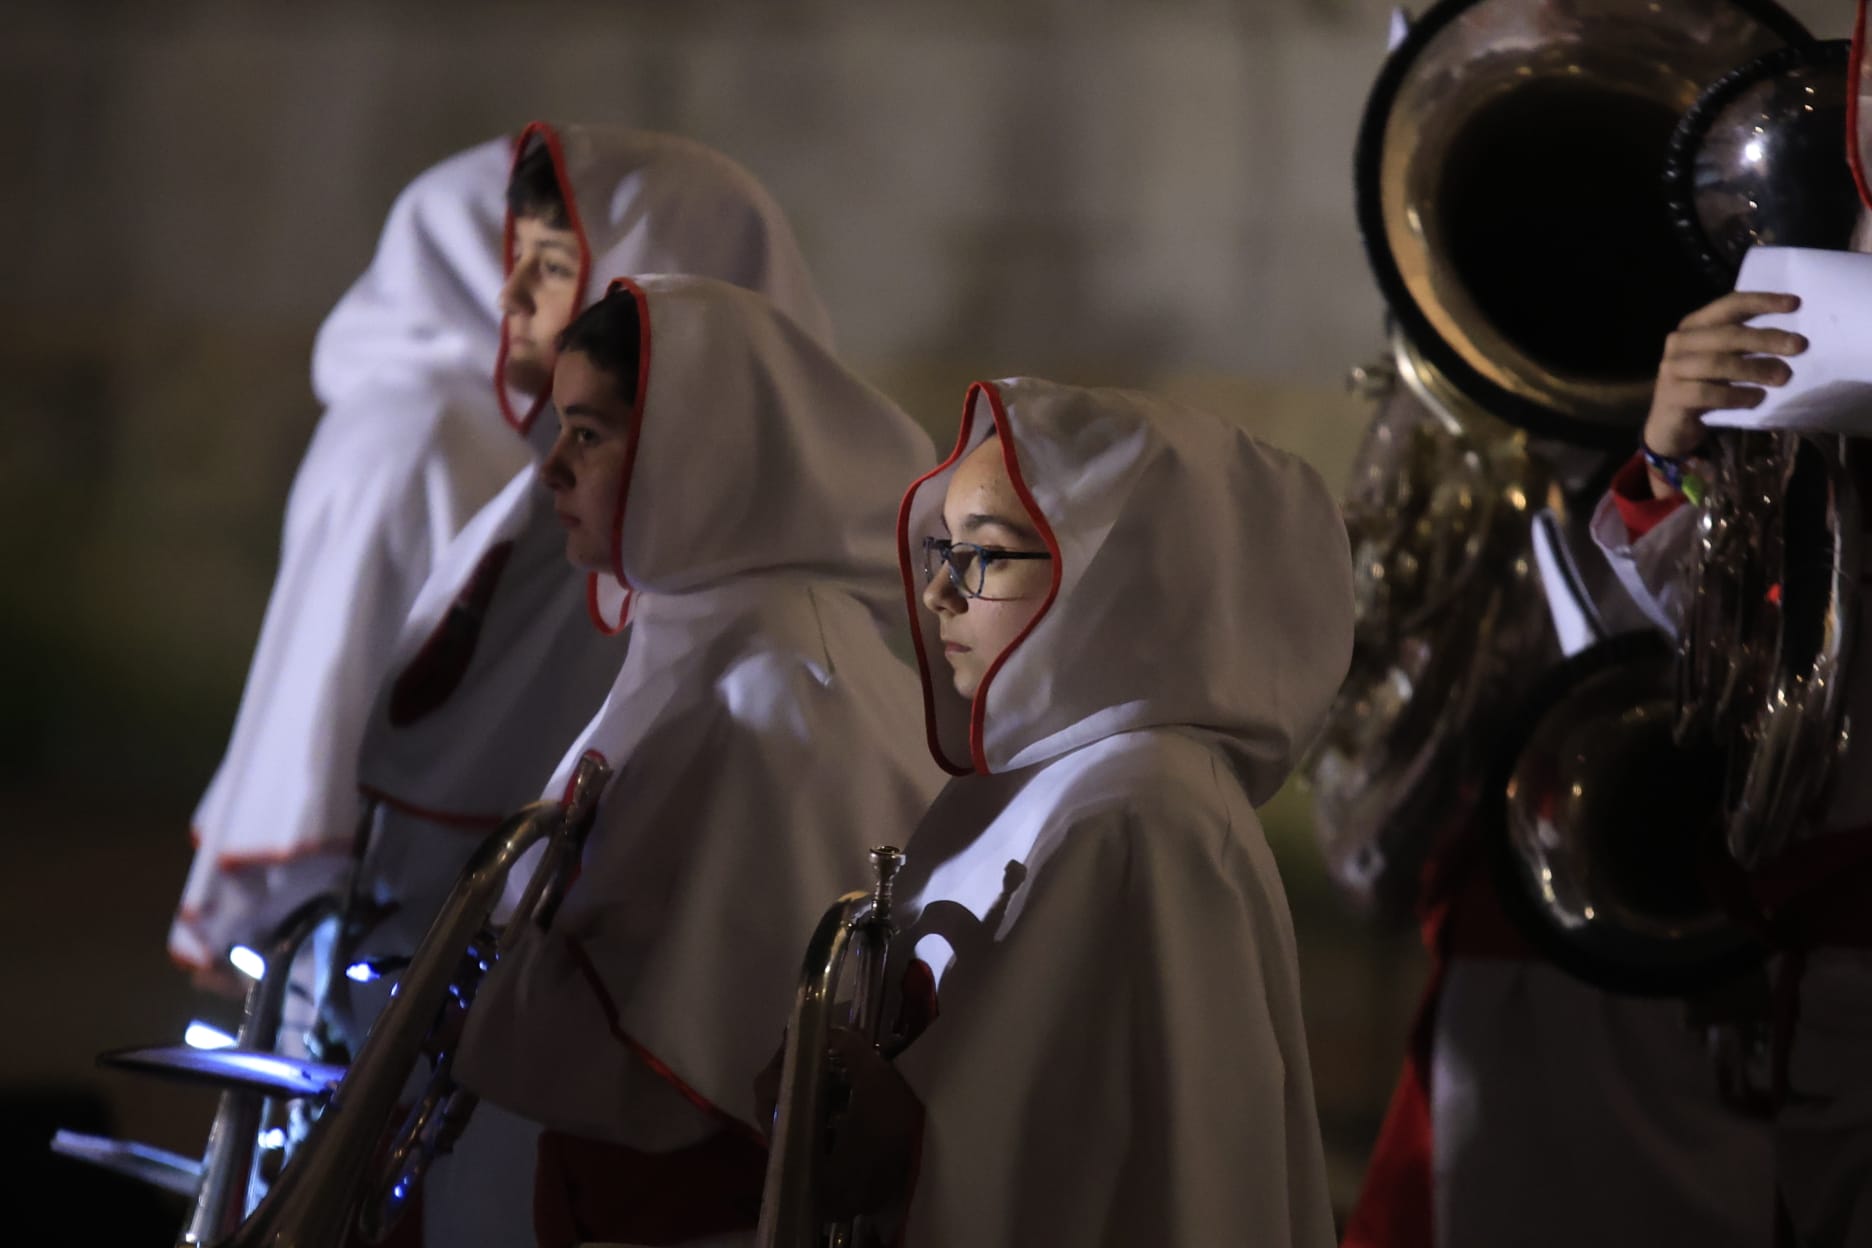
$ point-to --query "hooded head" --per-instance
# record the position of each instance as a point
(426, 305)
(740, 447)
(623, 203)
(1197, 577)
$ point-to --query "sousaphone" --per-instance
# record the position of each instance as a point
(1512, 210)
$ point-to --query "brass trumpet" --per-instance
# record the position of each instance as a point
(228, 1187)
(313, 1202)
(860, 924)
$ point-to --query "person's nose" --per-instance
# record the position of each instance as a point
(516, 293)
(555, 470)
(941, 595)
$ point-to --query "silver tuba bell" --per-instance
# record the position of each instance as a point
(1635, 893)
(1509, 197)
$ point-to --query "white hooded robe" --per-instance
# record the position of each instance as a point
(760, 731)
(1117, 1054)
(497, 667)
(410, 445)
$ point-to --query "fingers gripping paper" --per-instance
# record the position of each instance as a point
(1831, 386)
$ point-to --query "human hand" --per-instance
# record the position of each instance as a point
(1714, 361)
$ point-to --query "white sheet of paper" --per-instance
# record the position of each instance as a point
(1831, 389)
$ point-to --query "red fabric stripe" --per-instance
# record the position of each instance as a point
(979, 709)
(1855, 85)
(657, 1065)
(913, 596)
(447, 818)
(1637, 506)
(1395, 1206)
(630, 462)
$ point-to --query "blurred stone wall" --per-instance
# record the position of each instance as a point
(1151, 194)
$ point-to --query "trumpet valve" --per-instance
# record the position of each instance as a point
(886, 861)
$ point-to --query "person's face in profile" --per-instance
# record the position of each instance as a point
(982, 598)
(538, 300)
(585, 467)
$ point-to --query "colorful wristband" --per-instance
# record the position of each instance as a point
(1672, 470)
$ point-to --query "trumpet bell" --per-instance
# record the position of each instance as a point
(1508, 190)
(1605, 833)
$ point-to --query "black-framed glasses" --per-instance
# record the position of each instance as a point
(968, 563)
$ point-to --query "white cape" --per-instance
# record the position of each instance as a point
(497, 667)
(410, 445)
(1117, 1055)
(761, 733)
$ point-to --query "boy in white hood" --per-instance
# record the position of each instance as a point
(410, 445)
(1144, 614)
(497, 667)
(728, 486)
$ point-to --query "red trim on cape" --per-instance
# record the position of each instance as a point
(656, 1065)
(447, 818)
(523, 425)
(1396, 1202)
(1855, 85)
(597, 615)
(237, 862)
(1640, 509)
(1461, 916)
(978, 706)
(913, 597)
(424, 685)
(630, 464)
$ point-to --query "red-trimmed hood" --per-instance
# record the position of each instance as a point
(1201, 579)
(754, 452)
(646, 203)
(426, 306)
(1859, 117)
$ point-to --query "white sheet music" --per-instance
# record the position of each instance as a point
(1831, 389)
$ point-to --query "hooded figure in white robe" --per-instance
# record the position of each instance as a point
(1117, 1054)
(498, 667)
(411, 444)
(761, 736)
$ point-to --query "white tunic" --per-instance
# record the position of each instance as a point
(761, 734)
(410, 445)
(1118, 1055)
(497, 666)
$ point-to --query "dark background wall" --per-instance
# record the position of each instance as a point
(1154, 195)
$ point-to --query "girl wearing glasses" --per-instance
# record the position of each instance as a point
(1143, 613)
